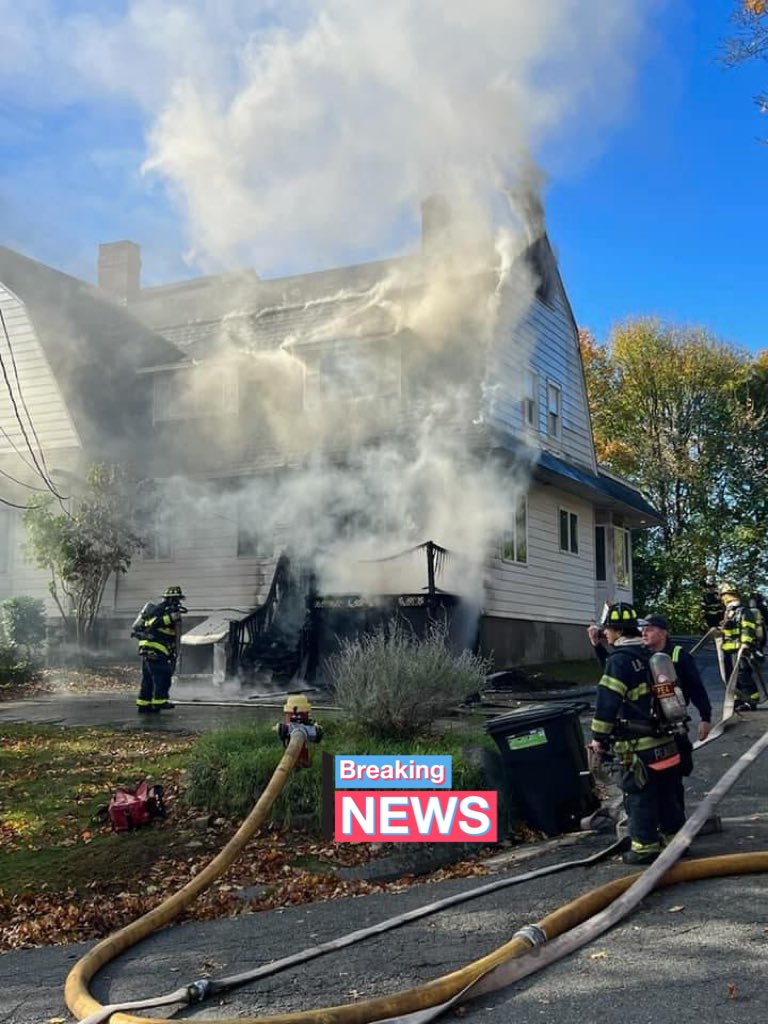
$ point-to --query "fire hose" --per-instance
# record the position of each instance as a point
(557, 935)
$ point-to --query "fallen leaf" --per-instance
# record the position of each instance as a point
(676, 910)
(731, 990)
(598, 956)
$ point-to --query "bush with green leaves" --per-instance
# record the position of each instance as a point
(22, 623)
(229, 768)
(394, 683)
(14, 670)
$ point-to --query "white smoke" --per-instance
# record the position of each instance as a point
(295, 134)
(301, 133)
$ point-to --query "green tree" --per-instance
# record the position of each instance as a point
(83, 548)
(22, 623)
(675, 410)
(750, 38)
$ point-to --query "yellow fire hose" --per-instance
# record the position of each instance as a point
(577, 921)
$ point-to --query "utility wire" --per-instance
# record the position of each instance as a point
(19, 419)
(22, 483)
(21, 394)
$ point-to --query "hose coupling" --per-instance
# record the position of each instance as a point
(532, 934)
(199, 991)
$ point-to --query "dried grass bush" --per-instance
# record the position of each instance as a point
(393, 683)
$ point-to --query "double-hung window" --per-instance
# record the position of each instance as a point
(569, 531)
(514, 542)
(554, 409)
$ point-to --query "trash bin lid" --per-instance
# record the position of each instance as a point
(531, 717)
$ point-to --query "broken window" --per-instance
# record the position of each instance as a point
(193, 392)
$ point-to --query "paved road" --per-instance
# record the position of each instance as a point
(689, 954)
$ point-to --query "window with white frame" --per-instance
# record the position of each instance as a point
(514, 542)
(253, 540)
(569, 531)
(158, 537)
(531, 400)
(5, 540)
(554, 409)
(622, 556)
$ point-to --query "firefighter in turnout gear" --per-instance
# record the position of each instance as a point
(157, 627)
(740, 641)
(626, 721)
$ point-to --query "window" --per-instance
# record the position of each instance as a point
(253, 541)
(514, 543)
(158, 537)
(193, 393)
(622, 556)
(554, 409)
(531, 400)
(569, 531)
(600, 565)
(5, 540)
(352, 372)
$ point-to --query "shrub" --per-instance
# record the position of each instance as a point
(394, 683)
(22, 623)
(14, 670)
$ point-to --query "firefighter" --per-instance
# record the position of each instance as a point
(739, 631)
(655, 630)
(759, 611)
(624, 722)
(158, 629)
(712, 606)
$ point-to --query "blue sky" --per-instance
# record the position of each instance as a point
(668, 218)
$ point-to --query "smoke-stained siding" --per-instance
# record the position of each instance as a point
(554, 585)
(39, 388)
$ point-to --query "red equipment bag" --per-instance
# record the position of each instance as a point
(132, 808)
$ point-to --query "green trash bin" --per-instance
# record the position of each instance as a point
(545, 762)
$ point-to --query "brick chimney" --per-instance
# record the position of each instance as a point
(435, 222)
(120, 270)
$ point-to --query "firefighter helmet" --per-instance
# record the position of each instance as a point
(728, 588)
(619, 616)
(173, 592)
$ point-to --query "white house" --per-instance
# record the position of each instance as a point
(232, 388)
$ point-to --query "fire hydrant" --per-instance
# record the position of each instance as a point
(296, 715)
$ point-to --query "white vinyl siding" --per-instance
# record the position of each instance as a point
(550, 587)
(542, 338)
(36, 387)
(206, 566)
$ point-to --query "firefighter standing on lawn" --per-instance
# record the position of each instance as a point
(158, 630)
(740, 640)
(624, 722)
